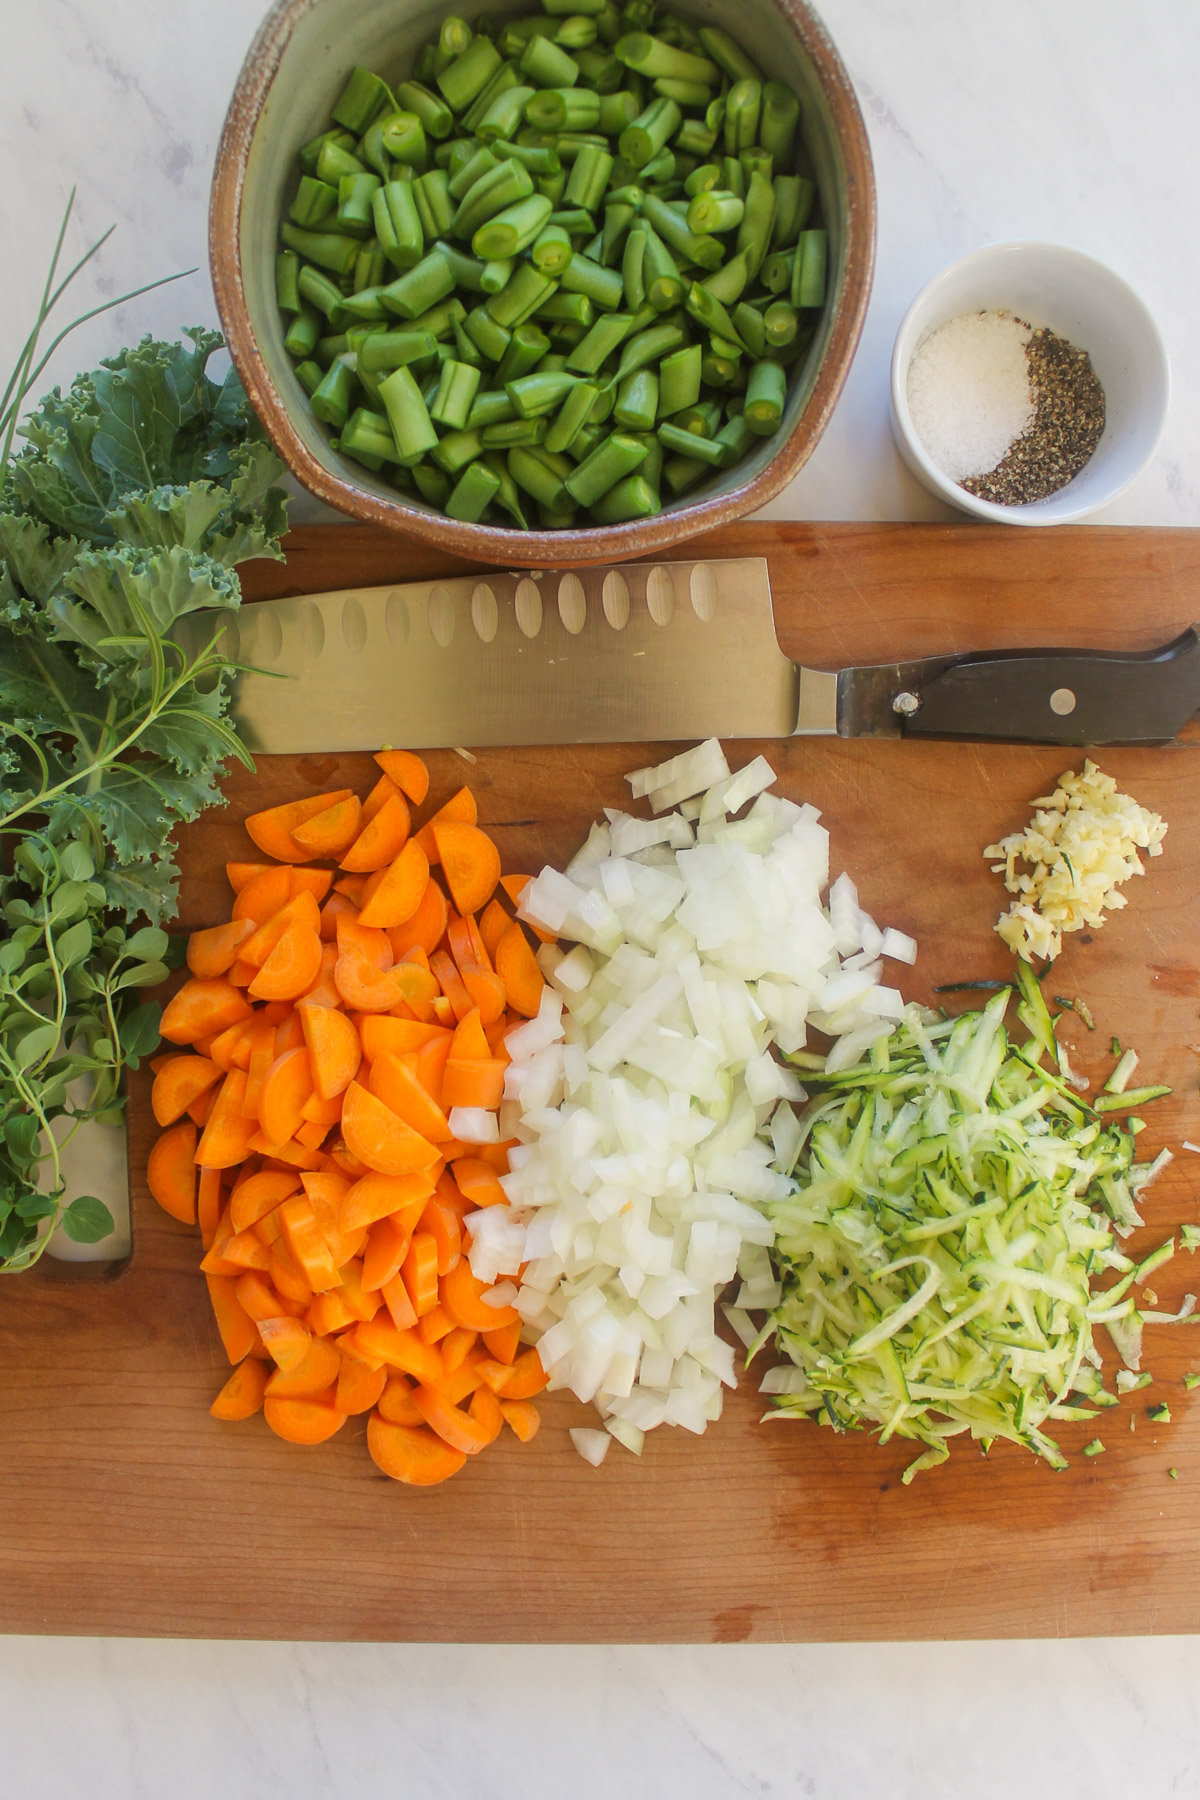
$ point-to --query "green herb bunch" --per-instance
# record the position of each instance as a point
(135, 496)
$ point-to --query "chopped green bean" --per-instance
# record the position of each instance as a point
(477, 487)
(766, 391)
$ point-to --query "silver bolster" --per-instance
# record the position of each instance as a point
(817, 714)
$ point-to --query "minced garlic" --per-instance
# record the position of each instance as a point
(1080, 846)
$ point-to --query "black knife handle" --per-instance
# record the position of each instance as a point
(1060, 696)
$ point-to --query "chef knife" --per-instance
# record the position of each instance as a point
(647, 651)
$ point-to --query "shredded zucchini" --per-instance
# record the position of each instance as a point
(937, 1254)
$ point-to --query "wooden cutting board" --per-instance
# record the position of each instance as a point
(127, 1509)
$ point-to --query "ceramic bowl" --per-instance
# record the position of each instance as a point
(1082, 300)
(291, 79)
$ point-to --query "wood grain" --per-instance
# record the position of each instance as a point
(129, 1511)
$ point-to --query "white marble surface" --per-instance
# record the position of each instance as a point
(1075, 121)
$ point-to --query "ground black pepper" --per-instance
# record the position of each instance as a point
(1067, 425)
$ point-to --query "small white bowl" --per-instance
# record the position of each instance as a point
(1081, 300)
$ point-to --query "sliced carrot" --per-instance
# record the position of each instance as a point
(304, 1421)
(461, 1295)
(378, 797)
(485, 1411)
(262, 1055)
(334, 1051)
(332, 830)
(292, 966)
(396, 1401)
(465, 944)
(478, 1083)
(323, 991)
(529, 1377)
(351, 887)
(478, 1182)
(171, 1171)
(306, 1241)
(292, 1152)
(420, 1272)
(271, 831)
(443, 1012)
(285, 1089)
(470, 1042)
(412, 1455)
(242, 1395)
(492, 927)
(336, 907)
(453, 1426)
(456, 1347)
(380, 842)
(398, 1301)
(181, 1080)
(408, 772)
(522, 1416)
(268, 1230)
(442, 1224)
(398, 1087)
(208, 1204)
(401, 891)
(260, 1195)
(328, 1314)
(383, 1036)
(230, 1049)
(260, 1299)
(287, 1340)
(337, 1156)
(316, 882)
(201, 1008)
(289, 1028)
(287, 1278)
(363, 1305)
(300, 909)
(241, 874)
(503, 1343)
(210, 953)
(400, 1349)
(264, 895)
(459, 809)
(387, 1246)
(359, 1388)
(317, 1369)
(234, 1323)
(416, 985)
(310, 1135)
(362, 987)
(246, 1251)
(241, 974)
(431, 1067)
(435, 1325)
(497, 1375)
(226, 1137)
(487, 993)
(379, 1138)
(326, 1189)
(427, 926)
(322, 1112)
(471, 863)
(517, 968)
(451, 983)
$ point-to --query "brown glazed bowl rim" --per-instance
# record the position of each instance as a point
(495, 544)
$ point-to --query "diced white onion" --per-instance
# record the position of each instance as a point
(591, 1445)
(474, 1125)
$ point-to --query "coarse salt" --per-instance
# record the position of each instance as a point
(969, 392)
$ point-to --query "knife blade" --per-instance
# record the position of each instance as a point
(645, 651)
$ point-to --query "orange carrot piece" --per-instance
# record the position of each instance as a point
(485, 1411)
(287, 1340)
(465, 943)
(478, 1183)
(427, 926)
(487, 994)
(241, 874)
(226, 1137)
(375, 1197)
(260, 1195)
(287, 1278)
(403, 1350)
(328, 1314)
(435, 1325)
(323, 991)
(442, 1224)
(285, 1089)
(461, 1295)
(387, 1247)
(322, 1112)
(240, 974)
(233, 1321)
(208, 1204)
(497, 1375)
(317, 1369)
(383, 1036)
(522, 1416)
(408, 772)
(412, 1455)
(456, 1347)
(304, 1421)
(300, 909)
(420, 1272)
(316, 882)
(171, 1171)
(246, 1251)
(210, 953)
(451, 983)
(459, 809)
(231, 1049)
(264, 895)
(453, 1426)
(359, 1388)
(398, 1301)
(201, 1008)
(363, 1305)
(471, 863)
(334, 1051)
(431, 1067)
(292, 966)
(242, 1395)
(380, 1139)
(271, 831)
(470, 1042)
(492, 927)
(304, 1238)
(529, 1377)
(260, 1300)
(443, 1012)
(262, 1055)
(378, 797)
(178, 1082)
(396, 1401)
(478, 1083)
(380, 842)
(517, 968)
(332, 830)
(268, 1230)
(401, 890)
(310, 1136)
(289, 1028)
(397, 1086)
(336, 907)
(503, 1343)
